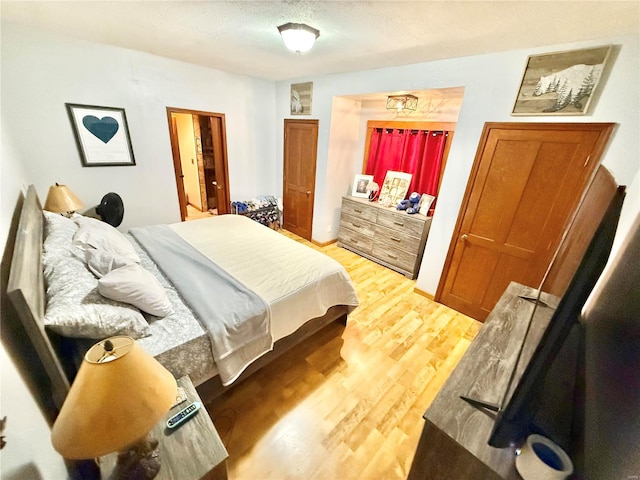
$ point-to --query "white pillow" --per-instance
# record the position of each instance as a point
(101, 262)
(134, 285)
(58, 236)
(75, 308)
(92, 233)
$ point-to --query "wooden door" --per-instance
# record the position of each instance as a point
(219, 180)
(216, 138)
(300, 152)
(526, 181)
(177, 166)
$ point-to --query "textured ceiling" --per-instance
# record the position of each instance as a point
(241, 36)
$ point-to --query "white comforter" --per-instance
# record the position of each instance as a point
(297, 282)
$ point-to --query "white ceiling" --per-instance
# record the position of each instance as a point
(242, 36)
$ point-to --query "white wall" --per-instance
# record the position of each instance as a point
(337, 177)
(491, 82)
(40, 72)
(27, 432)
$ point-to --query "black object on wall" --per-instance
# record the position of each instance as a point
(111, 209)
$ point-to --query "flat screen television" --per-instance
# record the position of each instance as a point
(515, 415)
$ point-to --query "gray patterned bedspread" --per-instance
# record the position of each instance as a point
(236, 319)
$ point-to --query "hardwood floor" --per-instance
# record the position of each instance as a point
(348, 402)
(194, 214)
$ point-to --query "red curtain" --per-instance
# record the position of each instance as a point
(418, 152)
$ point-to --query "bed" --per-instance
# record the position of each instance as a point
(271, 291)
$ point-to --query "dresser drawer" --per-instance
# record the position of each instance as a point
(358, 210)
(398, 258)
(357, 225)
(350, 238)
(397, 240)
(401, 222)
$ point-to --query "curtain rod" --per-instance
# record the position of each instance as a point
(434, 132)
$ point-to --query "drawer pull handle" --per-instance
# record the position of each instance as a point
(391, 256)
(357, 211)
(356, 225)
(354, 240)
(395, 239)
(401, 224)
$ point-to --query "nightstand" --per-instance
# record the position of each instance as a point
(190, 452)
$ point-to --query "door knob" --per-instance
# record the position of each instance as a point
(309, 192)
(214, 183)
(464, 237)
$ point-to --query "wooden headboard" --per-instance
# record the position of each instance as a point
(25, 289)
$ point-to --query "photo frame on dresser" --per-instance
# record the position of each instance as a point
(394, 188)
(102, 135)
(360, 183)
(425, 204)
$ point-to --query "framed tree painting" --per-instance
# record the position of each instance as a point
(561, 83)
(102, 135)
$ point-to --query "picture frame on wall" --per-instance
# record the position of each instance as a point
(561, 83)
(360, 183)
(101, 134)
(301, 98)
(394, 188)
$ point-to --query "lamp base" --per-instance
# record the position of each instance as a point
(140, 462)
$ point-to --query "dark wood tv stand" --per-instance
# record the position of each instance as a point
(453, 443)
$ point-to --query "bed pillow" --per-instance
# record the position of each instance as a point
(135, 285)
(92, 233)
(58, 235)
(101, 262)
(75, 308)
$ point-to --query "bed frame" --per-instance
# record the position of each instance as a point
(25, 290)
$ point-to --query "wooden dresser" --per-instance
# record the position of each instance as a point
(453, 444)
(387, 236)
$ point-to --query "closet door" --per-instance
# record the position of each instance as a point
(300, 152)
(525, 183)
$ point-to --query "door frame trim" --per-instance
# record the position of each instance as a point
(175, 152)
(606, 130)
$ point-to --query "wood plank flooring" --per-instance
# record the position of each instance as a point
(348, 402)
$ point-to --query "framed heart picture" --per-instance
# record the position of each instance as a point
(102, 135)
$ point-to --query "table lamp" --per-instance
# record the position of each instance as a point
(61, 199)
(119, 394)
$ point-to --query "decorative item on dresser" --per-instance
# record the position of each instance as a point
(386, 236)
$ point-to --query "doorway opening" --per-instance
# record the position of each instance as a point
(199, 149)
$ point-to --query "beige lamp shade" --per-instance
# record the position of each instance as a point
(61, 199)
(118, 396)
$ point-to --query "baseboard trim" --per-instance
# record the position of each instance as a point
(323, 244)
(424, 294)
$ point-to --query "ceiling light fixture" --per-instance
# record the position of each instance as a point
(402, 102)
(298, 37)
